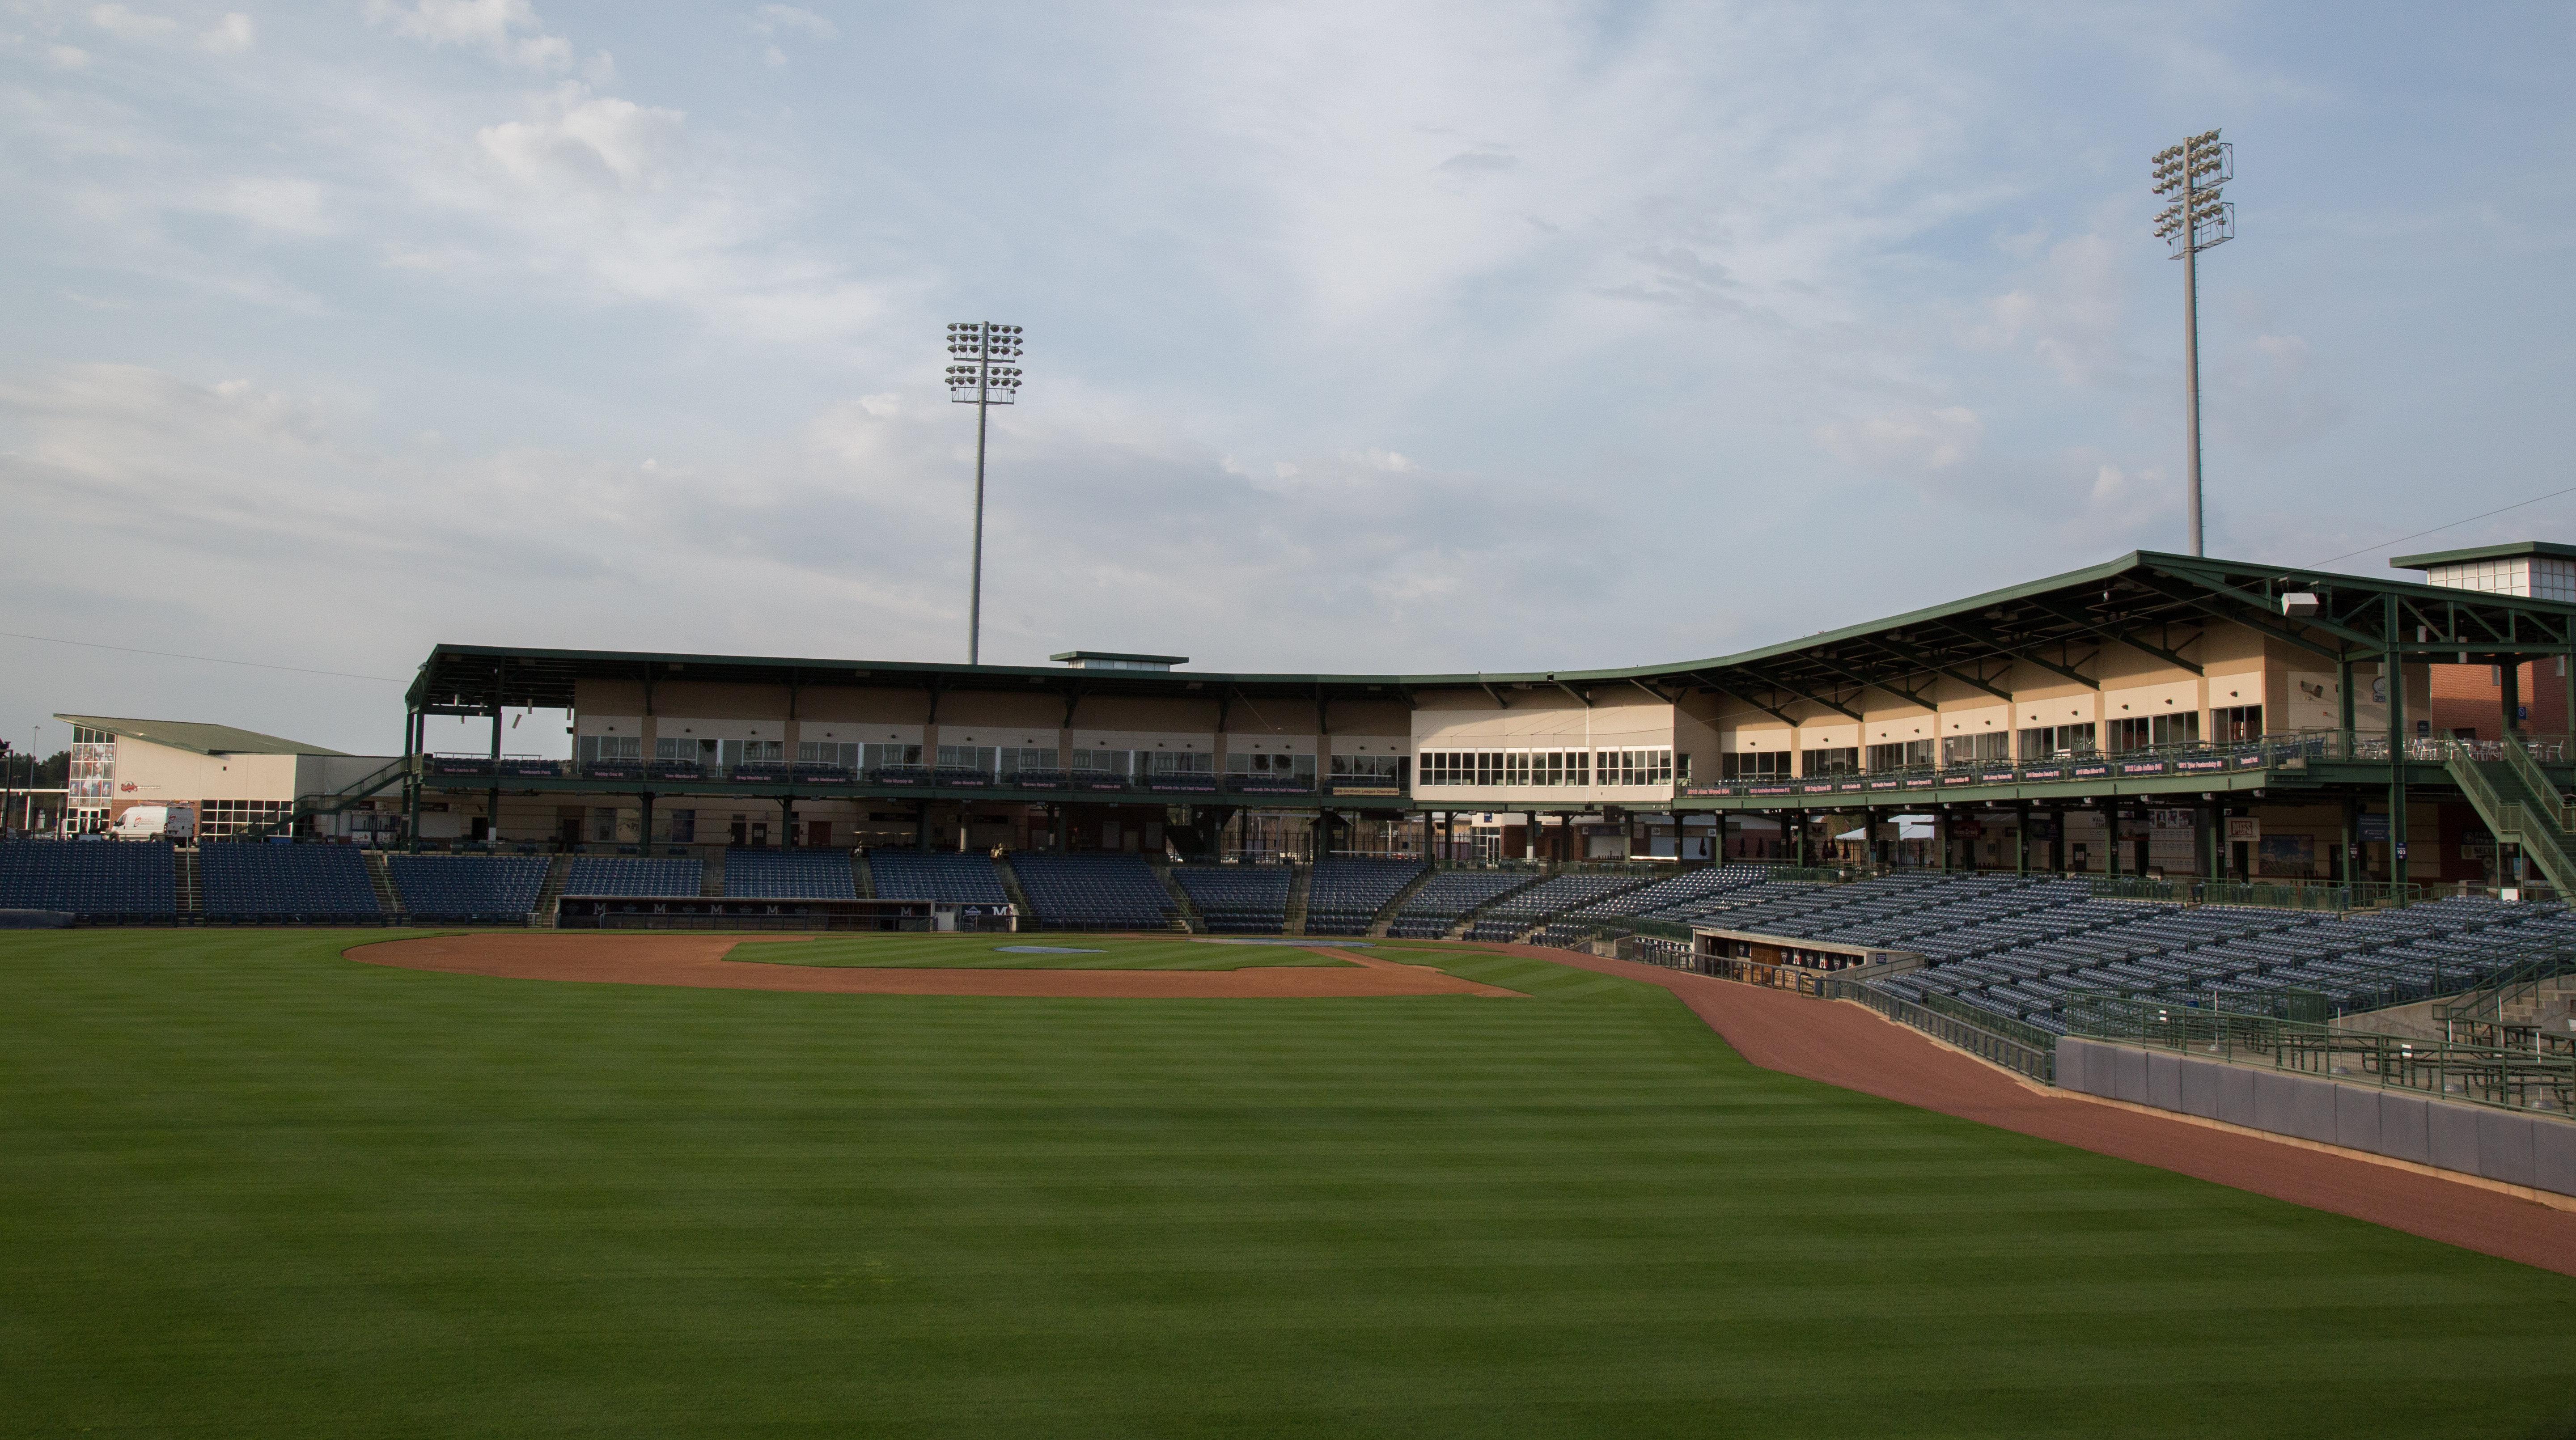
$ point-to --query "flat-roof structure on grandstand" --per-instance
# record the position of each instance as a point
(2155, 712)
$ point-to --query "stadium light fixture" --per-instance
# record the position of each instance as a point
(2194, 219)
(981, 375)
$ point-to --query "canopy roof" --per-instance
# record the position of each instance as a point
(200, 738)
(2149, 602)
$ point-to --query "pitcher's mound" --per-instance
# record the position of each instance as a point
(699, 961)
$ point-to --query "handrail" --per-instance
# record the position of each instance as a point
(2036, 1061)
(2505, 1077)
(349, 794)
(2542, 788)
(2540, 842)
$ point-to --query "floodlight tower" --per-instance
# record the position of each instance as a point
(2193, 220)
(983, 379)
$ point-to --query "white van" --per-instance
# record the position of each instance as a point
(177, 823)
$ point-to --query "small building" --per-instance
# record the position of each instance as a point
(239, 780)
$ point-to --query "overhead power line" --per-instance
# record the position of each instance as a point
(2438, 529)
(202, 659)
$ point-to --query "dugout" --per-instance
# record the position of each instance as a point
(744, 912)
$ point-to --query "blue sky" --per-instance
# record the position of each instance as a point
(1424, 337)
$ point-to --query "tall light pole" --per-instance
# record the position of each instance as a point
(2193, 220)
(983, 380)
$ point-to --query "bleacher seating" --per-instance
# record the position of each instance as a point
(1516, 914)
(790, 874)
(1343, 896)
(89, 877)
(625, 875)
(1452, 893)
(253, 881)
(2021, 947)
(468, 887)
(1238, 899)
(1094, 892)
(936, 875)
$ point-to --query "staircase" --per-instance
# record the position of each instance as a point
(1011, 887)
(862, 876)
(192, 896)
(558, 870)
(711, 873)
(1187, 918)
(1300, 879)
(2522, 806)
(389, 776)
(1467, 922)
(1386, 913)
(381, 876)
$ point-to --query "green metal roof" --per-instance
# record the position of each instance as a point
(2146, 601)
(2512, 550)
(200, 738)
(1073, 655)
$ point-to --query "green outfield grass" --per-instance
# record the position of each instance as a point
(989, 952)
(248, 1188)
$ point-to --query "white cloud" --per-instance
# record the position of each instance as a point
(127, 24)
(66, 57)
(231, 35)
(509, 30)
(1916, 440)
(773, 19)
(584, 141)
(2070, 311)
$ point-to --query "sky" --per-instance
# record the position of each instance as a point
(1367, 337)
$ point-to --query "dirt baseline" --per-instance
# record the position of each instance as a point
(698, 961)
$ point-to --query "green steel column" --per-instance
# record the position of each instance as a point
(2021, 838)
(2394, 669)
(492, 803)
(411, 780)
(644, 831)
(2111, 833)
(2567, 663)
(2344, 705)
(2351, 837)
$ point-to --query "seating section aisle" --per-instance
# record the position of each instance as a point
(1514, 915)
(790, 875)
(1452, 893)
(1093, 892)
(468, 887)
(1238, 899)
(89, 877)
(622, 875)
(933, 875)
(1343, 896)
(286, 882)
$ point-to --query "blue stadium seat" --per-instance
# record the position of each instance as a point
(790, 874)
(252, 881)
(936, 875)
(1094, 892)
(89, 877)
(619, 875)
(1343, 896)
(469, 888)
(1238, 899)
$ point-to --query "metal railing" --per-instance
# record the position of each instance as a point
(2507, 1078)
(2265, 894)
(2038, 1061)
(2518, 755)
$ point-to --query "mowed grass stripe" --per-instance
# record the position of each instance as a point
(255, 1189)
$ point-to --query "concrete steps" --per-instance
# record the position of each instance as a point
(381, 877)
(1189, 921)
(1386, 913)
(1301, 879)
(550, 894)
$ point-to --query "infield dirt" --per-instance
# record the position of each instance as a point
(699, 961)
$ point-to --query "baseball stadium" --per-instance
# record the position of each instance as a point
(2135, 1001)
